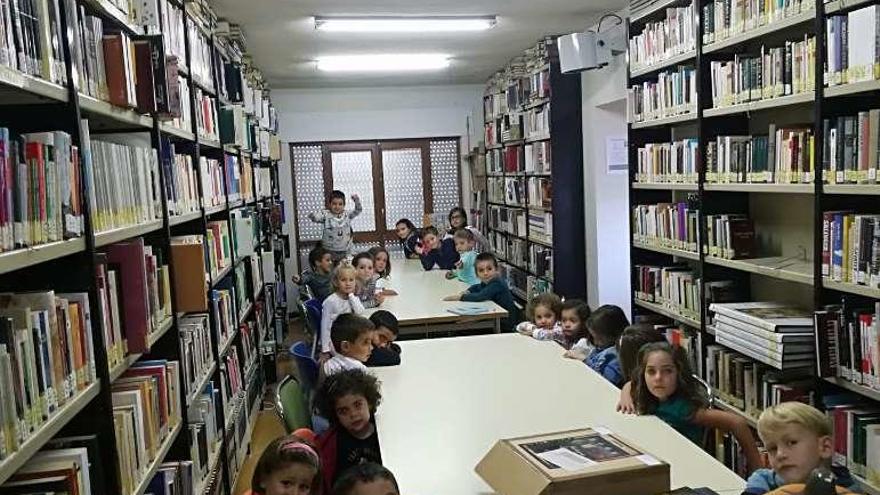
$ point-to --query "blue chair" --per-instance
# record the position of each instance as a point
(306, 365)
(313, 311)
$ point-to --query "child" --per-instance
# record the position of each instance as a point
(288, 466)
(798, 439)
(340, 302)
(349, 400)
(632, 339)
(435, 252)
(606, 324)
(458, 220)
(352, 337)
(385, 351)
(576, 337)
(490, 288)
(318, 278)
(366, 281)
(665, 387)
(367, 479)
(409, 238)
(543, 318)
(464, 245)
(336, 235)
(382, 267)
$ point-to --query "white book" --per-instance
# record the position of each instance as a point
(48, 460)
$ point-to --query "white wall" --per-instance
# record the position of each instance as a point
(606, 212)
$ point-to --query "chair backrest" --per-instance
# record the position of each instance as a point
(306, 365)
(292, 405)
(313, 312)
(709, 433)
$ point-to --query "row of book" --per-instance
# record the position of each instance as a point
(673, 93)
(847, 342)
(773, 73)
(200, 55)
(850, 148)
(536, 122)
(674, 35)
(46, 358)
(234, 126)
(263, 183)
(247, 179)
(727, 18)
(169, 23)
(851, 248)
(514, 191)
(495, 190)
(219, 247)
(784, 156)
(233, 177)
(855, 428)
(172, 478)
(205, 430)
(674, 287)
(126, 181)
(213, 193)
(223, 309)
(671, 225)
(243, 290)
(538, 157)
(31, 39)
(540, 192)
(541, 226)
(851, 47)
(730, 236)
(196, 353)
(206, 116)
(674, 162)
(512, 221)
(181, 182)
(541, 260)
(66, 464)
(515, 251)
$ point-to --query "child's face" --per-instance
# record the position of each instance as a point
(661, 375)
(402, 230)
(382, 337)
(375, 487)
(486, 270)
(598, 339)
(463, 245)
(381, 262)
(353, 413)
(325, 264)
(795, 451)
(292, 479)
(571, 323)
(544, 317)
(457, 220)
(345, 282)
(364, 269)
(360, 349)
(337, 206)
(430, 241)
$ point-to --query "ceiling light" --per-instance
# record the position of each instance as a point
(404, 24)
(384, 62)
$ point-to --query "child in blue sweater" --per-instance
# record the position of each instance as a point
(491, 288)
(434, 252)
(606, 325)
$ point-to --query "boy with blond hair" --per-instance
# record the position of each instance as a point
(798, 440)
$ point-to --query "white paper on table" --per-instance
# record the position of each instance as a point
(566, 459)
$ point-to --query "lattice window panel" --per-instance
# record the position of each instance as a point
(444, 174)
(404, 192)
(308, 172)
(353, 174)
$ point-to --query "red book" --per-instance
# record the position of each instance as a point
(129, 256)
(116, 69)
(157, 370)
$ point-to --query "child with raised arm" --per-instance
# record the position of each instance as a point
(464, 243)
(343, 300)
(490, 288)
(336, 235)
(436, 252)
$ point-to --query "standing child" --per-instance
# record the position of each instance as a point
(349, 400)
(665, 387)
(490, 288)
(366, 281)
(631, 341)
(798, 440)
(464, 245)
(382, 267)
(543, 313)
(340, 302)
(458, 220)
(435, 252)
(318, 278)
(352, 337)
(606, 324)
(409, 238)
(336, 234)
(385, 351)
(288, 466)
(366, 479)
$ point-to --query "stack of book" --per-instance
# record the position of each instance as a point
(205, 432)
(850, 148)
(494, 105)
(245, 230)
(195, 350)
(181, 182)
(674, 287)
(673, 93)
(256, 274)
(541, 226)
(730, 237)
(507, 220)
(492, 133)
(772, 333)
(495, 189)
(233, 177)
(540, 192)
(847, 342)
(856, 436)
(206, 116)
(212, 182)
(219, 247)
(241, 292)
(516, 252)
(32, 40)
(851, 248)
(127, 184)
(671, 225)
(537, 157)
(674, 162)
(728, 18)
(851, 47)
(729, 452)
(784, 156)
(662, 40)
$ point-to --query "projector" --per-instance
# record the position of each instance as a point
(590, 50)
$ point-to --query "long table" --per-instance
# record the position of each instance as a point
(419, 305)
(451, 399)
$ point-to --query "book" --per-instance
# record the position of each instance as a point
(674, 162)
(206, 116)
(726, 18)
(674, 287)
(730, 237)
(213, 193)
(850, 152)
(468, 309)
(31, 39)
(852, 48)
(674, 35)
(219, 247)
(181, 181)
(188, 255)
(679, 87)
(196, 352)
(671, 225)
(771, 316)
(851, 248)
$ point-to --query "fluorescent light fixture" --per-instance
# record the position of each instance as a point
(384, 63)
(373, 24)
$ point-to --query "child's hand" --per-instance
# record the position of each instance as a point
(625, 404)
(456, 297)
(389, 292)
(459, 264)
(324, 357)
(578, 355)
(450, 275)
(380, 298)
(420, 250)
(355, 197)
(296, 279)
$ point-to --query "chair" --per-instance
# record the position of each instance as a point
(291, 404)
(313, 311)
(306, 365)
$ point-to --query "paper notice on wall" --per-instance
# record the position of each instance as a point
(616, 156)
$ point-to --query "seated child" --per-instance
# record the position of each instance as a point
(409, 238)
(665, 387)
(349, 400)
(336, 235)
(318, 278)
(288, 462)
(352, 337)
(385, 351)
(434, 252)
(577, 340)
(341, 301)
(798, 440)
(366, 281)
(464, 244)
(382, 267)
(543, 322)
(632, 339)
(606, 324)
(366, 479)
(490, 288)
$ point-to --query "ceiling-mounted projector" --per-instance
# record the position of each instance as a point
(590, 50)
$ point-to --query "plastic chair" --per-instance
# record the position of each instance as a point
(313, 311)
(291, 404)
(306, 365)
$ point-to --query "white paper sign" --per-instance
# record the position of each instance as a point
(566, 459)
(616, 156)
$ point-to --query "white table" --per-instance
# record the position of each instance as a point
(451, 399)
(419, 305)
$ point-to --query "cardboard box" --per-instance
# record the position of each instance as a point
(584, 462)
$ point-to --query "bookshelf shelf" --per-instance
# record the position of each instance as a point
(665, 186)
(862, 290)
(508, 234)
(721, 404)
(124, 365)
(710, 329)
(231, 149)
(26, 85)
(839, 5)
(224, 347)
(854, 189)
(213, 210)
(763, 188)
(677, 59)
(659, 309)
(752, 34)
(537, 103)
(164, 326)
(160, 457)
(236, 204)
(855, 387)
(775, 267)
(203, 380)
(210, 143)
(852, 88)
(179, 219)
(507, 205)
(675, 119)
(110, 11)
(753, 106)
(670, 251)
(174, 131)
(246, 313)
(539, 241)
(94, 107)
(207, 88)
(22, 258)
(535, 139)
(123, 233)
(52, 426)
(654, 10)
(221, 275)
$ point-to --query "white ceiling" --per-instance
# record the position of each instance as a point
(281, 36)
